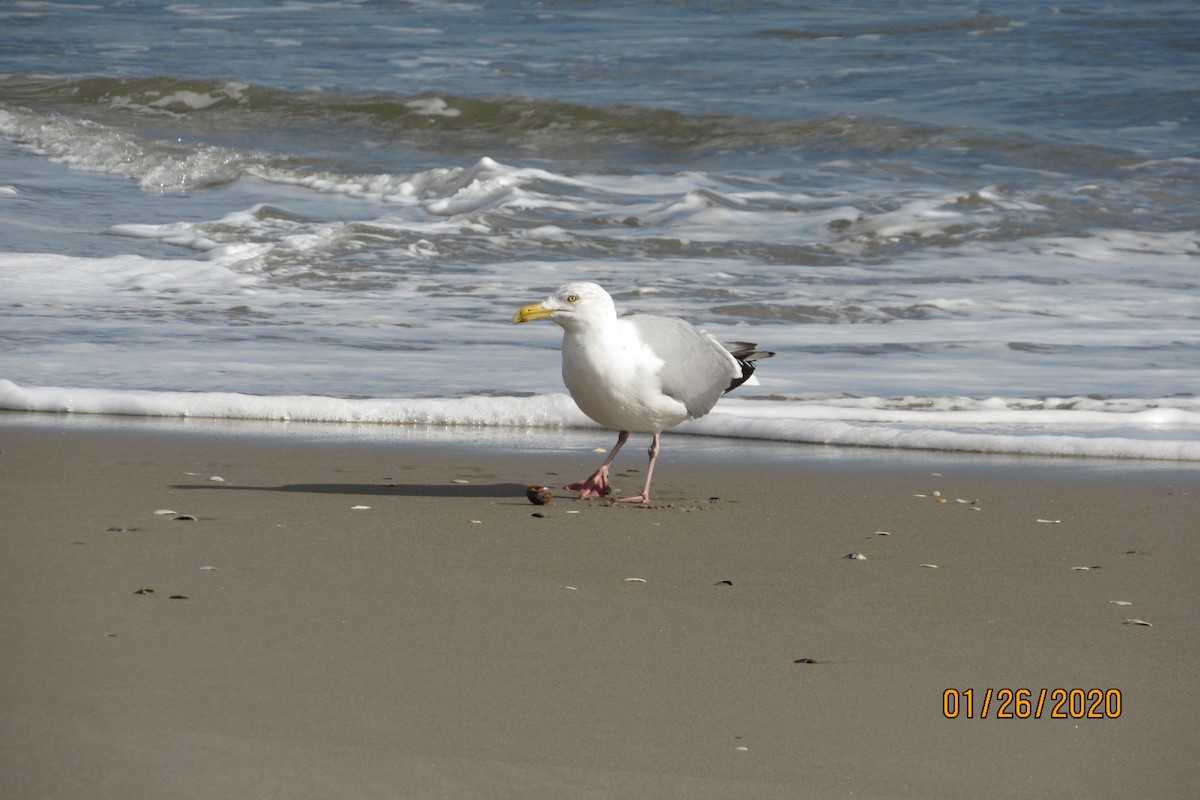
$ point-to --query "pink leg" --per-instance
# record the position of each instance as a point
(644, 497)
(596, 484)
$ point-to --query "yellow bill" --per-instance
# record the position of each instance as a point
(531, 312)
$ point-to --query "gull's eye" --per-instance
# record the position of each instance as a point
(572, 298)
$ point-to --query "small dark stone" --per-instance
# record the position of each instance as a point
(538, 514)
(178, 597)
(726, 583)
(805, 661)
(144, 591)
(185, 518)
(116, 529)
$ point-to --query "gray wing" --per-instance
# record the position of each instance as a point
(697, 369)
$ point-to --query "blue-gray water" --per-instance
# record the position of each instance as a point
(942, 206)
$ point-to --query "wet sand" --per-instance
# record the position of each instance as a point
(348, 621)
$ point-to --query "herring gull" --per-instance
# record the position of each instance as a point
(638, 373)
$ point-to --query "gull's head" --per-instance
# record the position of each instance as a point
(571, 305)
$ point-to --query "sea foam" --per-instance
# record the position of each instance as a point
(987, 427)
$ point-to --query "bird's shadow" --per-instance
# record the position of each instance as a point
(377, 490)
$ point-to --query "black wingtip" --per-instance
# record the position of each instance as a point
(745, 354)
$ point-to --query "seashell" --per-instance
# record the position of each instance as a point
(1120, 602)
(855, 556)
(144, 591)
(1050, 521)
(1137, 622)
(184, 518)
(359, 508)
(116, 529)
(635, 580)
(539, 495)
(459, 480)
(929, 566)
(883, 533)
(164, 511)
(476, 522)
(209, 569)
(1080, 569)
(217, 479)
(805, 661)
(723, 583)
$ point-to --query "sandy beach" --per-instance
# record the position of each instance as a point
(330, 620)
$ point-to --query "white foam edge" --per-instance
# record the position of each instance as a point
(791, 422)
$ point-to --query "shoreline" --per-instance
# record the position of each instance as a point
(697, 449)
(392, 620)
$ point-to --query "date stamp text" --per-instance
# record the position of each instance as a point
(1031, 703)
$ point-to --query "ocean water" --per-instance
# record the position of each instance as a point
(960, 226)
